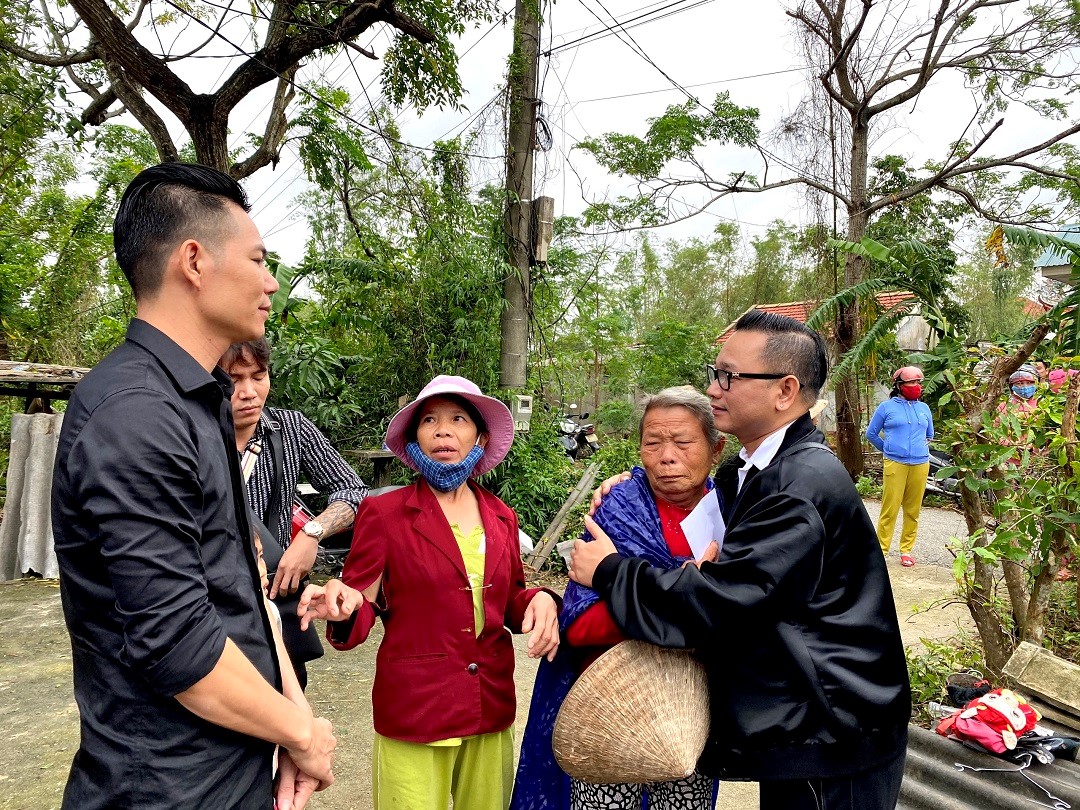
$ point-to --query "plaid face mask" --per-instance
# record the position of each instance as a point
(444, 477)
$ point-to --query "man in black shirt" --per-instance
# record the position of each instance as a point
(175, 667)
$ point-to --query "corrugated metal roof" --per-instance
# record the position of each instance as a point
(932, 780)
(1055, 257)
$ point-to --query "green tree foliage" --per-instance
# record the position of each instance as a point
(994, 292)
(68, 302)
(909, 266)
(104, 52)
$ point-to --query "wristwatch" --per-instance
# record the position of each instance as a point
(313, 528)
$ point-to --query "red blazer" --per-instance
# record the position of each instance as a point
(434, 678)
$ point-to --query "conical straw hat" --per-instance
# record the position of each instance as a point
(639, 714)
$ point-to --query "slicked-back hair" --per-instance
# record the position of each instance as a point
(682, 396)
(791, 347)
(161, 207)
(250, 351)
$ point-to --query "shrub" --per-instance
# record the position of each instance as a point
(929, 668)
(535, 479)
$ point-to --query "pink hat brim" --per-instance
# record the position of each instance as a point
(500, 423)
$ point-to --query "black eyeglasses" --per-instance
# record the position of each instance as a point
(724, 377)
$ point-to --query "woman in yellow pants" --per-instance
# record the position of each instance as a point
(901, 429)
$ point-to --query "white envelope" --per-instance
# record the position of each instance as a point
(704, 525)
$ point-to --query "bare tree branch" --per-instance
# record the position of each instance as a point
(132, 99)
(276, 125)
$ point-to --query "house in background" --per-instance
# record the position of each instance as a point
(912, 335)
(1053, 263)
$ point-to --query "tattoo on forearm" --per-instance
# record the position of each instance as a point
(336, 517)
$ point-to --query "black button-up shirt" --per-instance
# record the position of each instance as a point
(157, 569)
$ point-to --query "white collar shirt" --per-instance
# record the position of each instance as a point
(764, 454)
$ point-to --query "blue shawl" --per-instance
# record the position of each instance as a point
(629, 516)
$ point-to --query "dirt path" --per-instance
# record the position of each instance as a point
(40, 721)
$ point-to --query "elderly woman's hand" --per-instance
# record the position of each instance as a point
(334, 601)
(587, 555)
(604, 489)
(542, 618)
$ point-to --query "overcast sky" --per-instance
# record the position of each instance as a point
(602, 85)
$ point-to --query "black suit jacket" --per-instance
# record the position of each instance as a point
(795, 622)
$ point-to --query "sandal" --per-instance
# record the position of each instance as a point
(907, 560)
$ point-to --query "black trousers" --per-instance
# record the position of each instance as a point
(876, 789)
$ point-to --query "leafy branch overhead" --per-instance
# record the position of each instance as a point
(867, 62)
(116, 55)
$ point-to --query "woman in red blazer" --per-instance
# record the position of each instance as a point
(439, 563)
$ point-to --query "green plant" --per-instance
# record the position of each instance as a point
(1063, 622)
(929, 667)
(867, 487)
(535, 479)
(616, 456)
(615, 419)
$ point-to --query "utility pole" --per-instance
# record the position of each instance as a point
(521, 140)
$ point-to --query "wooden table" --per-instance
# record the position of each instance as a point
(380, 461)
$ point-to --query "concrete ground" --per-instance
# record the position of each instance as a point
(40, 720)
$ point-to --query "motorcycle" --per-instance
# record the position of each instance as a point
(948, 486)
(333, 550)
(577, 437)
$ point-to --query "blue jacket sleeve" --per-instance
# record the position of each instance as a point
(873, 430)
(929, 423)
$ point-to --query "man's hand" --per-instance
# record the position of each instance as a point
(335, 601)
(316, 758)
(587, 555)
(712, 554)
(294, 787)
(295, 564)
(604, 489)
(542, 618)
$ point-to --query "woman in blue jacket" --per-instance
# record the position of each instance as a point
(901, 429)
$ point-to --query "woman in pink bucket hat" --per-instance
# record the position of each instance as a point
(438, 562)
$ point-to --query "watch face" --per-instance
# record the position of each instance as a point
(314, 528)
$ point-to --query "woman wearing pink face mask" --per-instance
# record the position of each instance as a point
(901, 429)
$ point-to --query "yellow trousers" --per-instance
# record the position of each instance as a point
(476, 772)
(903, 485)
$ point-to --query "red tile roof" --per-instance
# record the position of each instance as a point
(801, 310)
(1034, 309)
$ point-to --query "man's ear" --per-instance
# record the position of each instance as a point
(191, 258)
(789, 393)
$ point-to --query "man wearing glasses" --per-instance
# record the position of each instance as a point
(794, 619)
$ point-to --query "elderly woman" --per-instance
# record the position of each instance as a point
(679, 446)
(438, 561)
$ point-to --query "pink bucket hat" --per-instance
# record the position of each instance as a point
(500, 424)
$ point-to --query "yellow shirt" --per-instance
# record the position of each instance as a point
(473, 553)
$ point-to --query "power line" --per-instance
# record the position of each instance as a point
(629, 23)
(688, 86)
(363, 88)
